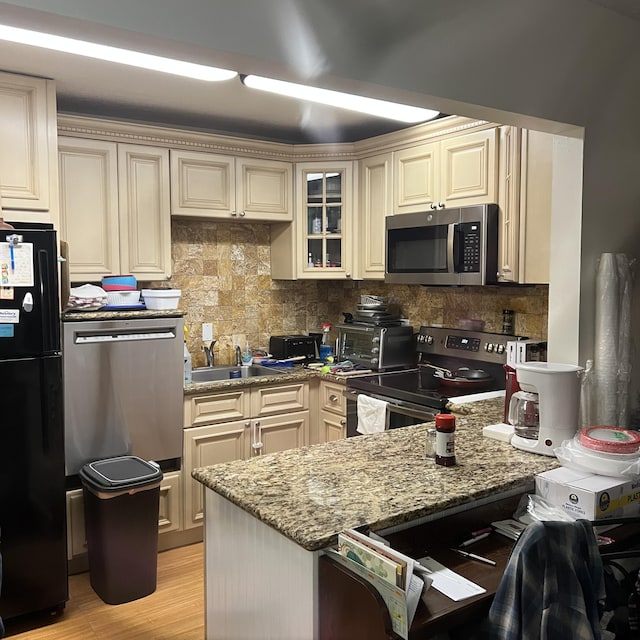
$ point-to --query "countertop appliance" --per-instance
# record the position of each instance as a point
(411, 395)
(456, 246)
(377, 346)
(32, 482)
(123, 391)
(558, 389)
(283, 347)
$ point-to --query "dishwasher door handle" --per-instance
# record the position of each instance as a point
(100, 338)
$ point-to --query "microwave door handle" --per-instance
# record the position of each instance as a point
(451, 248)
(455, 248)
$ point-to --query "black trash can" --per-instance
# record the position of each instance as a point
(121, 501)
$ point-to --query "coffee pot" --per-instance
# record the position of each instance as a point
(554, 390)
(524, 415)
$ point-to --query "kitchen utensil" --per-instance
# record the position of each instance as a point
(119, 283)
(159, 299)
(461, 373)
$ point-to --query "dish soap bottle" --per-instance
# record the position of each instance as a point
(326, 348)
(187, 360)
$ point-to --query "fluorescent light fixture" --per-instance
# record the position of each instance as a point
(115, 54)
(372, 106)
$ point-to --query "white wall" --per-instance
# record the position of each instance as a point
(566, 62)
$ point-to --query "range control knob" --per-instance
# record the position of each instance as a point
(375, 339)
(500, 348)
(429, 339)
(489, 347)
(375, 350)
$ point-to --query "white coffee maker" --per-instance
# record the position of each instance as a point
(558, 389)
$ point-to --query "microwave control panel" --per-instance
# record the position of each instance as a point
(470, 246)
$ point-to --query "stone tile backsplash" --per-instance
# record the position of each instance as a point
(223, 270)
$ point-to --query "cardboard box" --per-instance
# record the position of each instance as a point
(589, 496)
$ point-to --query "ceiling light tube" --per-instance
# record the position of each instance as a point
(372, 106)
(115, 54)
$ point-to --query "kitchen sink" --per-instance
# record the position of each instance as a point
(213, 374)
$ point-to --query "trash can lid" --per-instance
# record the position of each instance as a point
(116, 474)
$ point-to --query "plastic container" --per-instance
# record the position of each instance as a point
(121, 500)
(123, 298)
(119, 283)
(161, 299)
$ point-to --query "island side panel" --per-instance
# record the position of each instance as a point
(258, 583)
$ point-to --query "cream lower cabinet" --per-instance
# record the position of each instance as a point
(455, 171)
(28, 169)
(114, 209)
(217, 186)
(333, 412)
(169, 513)
(526, 176)
(237, 425)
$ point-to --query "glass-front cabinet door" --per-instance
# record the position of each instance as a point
(326, 194)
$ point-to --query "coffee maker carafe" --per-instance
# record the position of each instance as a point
(558, 401)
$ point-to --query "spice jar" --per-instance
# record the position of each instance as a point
(445, 439)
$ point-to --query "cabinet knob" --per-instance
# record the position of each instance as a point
(333, 397)
(441, 205)
(241, 214)
(432, 206)
(343, 422)
(234, 214)
(347, 275)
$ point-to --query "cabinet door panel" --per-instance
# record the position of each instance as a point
(215, 407)
(279, 433)
(205, 446)
(416, 178)
(267, 401)
(469, 170)
(89, 206)
(332, 427)
(202, 184)
(376, 202)
(145, 225)
(264, 190)
(24, 154)
(170, 504)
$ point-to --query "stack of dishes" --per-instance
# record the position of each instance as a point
(122, 292)
(603, 450)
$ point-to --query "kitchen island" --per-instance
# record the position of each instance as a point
(268, 519)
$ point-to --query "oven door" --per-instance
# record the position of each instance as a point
(400, 413)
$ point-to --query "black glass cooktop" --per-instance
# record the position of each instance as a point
(417, 386)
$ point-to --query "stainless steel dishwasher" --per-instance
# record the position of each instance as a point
(123, 389)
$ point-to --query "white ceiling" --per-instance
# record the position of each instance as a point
(93, 87)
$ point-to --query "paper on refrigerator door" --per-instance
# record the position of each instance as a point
(16, 265)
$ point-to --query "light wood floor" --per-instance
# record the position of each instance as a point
(175, 611)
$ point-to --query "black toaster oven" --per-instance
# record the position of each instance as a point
(283, 347)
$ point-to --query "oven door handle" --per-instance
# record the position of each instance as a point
(397, 406)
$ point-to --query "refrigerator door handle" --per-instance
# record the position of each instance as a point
(47, 314)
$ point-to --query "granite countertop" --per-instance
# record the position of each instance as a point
(297, 373)
(381, 480)
(119, 314)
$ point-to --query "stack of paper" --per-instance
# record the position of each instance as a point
(388, 570)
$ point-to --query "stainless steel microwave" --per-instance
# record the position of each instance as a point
(457, 246)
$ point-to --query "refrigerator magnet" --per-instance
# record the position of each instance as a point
(6, 330)
(6, 293)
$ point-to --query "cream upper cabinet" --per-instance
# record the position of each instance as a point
(207, 185)
(526, 177)
(114, 202)
(145, 218)
(319, 243)
(455, 171)
(28, 168)
(89, 223)
(375, 203)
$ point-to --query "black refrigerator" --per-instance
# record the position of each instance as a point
(32, 480)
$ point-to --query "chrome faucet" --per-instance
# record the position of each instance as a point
(208, 353)
(238, 356)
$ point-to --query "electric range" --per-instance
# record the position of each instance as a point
(411, 395)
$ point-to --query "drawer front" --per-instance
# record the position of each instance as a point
(267, 401)
(332, 398)
(215, 407)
